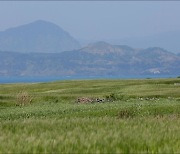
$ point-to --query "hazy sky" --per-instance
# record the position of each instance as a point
(96, 20)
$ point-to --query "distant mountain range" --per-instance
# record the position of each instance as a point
(97, 59)
(42, 48)
(39, 36)
(167, 40)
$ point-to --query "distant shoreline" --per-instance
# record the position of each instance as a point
(31, 79)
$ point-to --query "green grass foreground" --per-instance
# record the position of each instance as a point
(144, 117)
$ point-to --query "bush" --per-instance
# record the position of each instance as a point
(23, 98)
(131, 112)
(111, 97)
(126, 113)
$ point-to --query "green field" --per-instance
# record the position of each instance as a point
(141, 116)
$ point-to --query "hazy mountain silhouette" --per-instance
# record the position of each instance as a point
(38, 36)
(97, 59)
(167, 40)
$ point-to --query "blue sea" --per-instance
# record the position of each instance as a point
(27, 79)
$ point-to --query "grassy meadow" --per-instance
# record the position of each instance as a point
(141, 116)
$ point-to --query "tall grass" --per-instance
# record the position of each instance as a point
(144, 117)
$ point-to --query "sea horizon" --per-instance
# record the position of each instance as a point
(36, 79)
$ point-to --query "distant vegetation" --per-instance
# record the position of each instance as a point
(135, 116)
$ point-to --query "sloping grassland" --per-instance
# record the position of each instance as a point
(134, 116)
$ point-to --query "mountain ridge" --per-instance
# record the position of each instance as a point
(158, 39)
(120, 60)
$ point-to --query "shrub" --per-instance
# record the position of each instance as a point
(111, 97)
(126, 113)
(23, 98)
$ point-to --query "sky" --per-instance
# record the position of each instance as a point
(93, 20)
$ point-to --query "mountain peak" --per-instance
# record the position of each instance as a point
(99, 48)
(43, 23)
(100, 44)
(37, 36)
(38, 24)
(102, 47)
